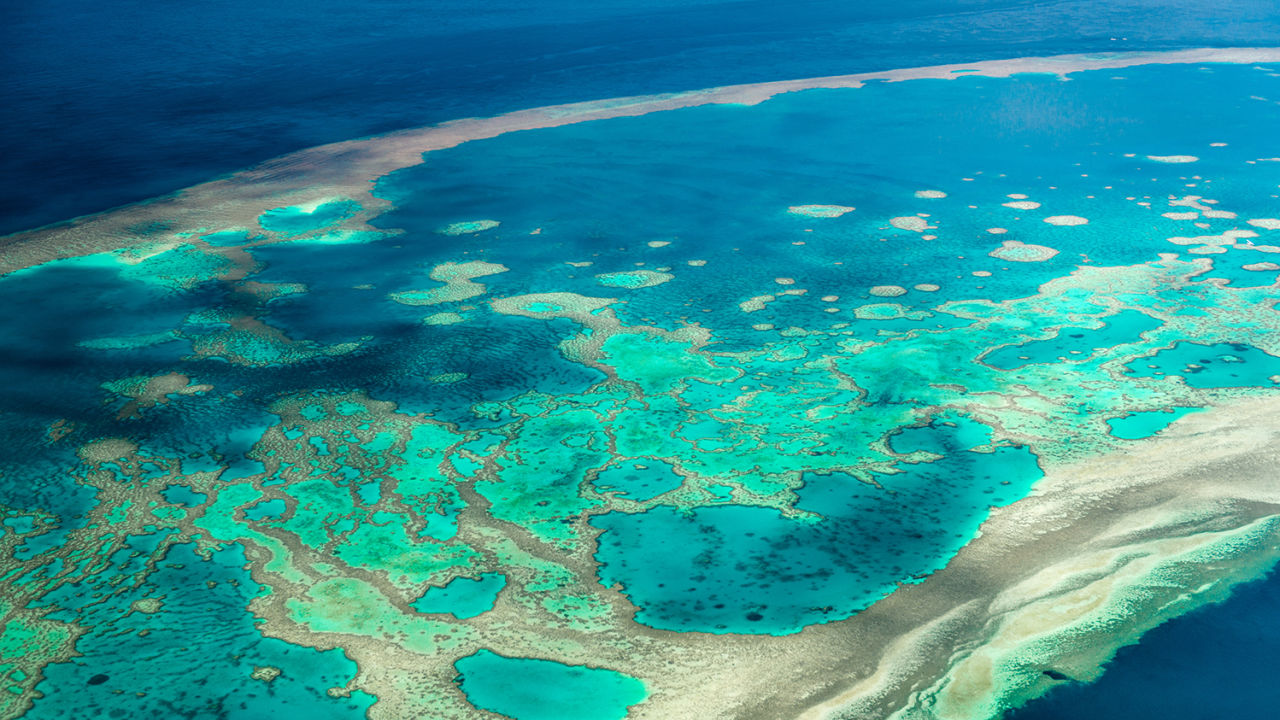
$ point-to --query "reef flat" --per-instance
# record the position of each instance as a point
(1103, 551)
(767, 401)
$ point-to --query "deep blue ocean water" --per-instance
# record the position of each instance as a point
(1215, 662)
(109, 103)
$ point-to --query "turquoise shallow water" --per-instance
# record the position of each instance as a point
(189, 656)
(300, 220)
(1145, 424)
(183, 495)
(526, 689)
(738, 569)
(614, 373)
(1074, 343)
(638, 481)
(1212, 366)
(462, 597)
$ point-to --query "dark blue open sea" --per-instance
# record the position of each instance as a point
(698, 412)
(1211, 663)
(106, 104)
